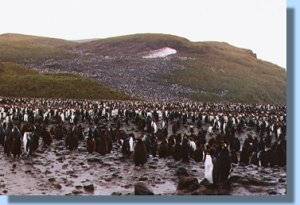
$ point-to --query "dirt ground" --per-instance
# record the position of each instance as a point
(57, 171)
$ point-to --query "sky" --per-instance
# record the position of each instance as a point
(259, 25)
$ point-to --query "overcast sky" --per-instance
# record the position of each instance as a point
(259, 25)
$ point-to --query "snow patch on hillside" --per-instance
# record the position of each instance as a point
(161, 53)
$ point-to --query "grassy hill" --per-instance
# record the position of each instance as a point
(215, 71)
(16, 81)
(135, 44)
(24, 48)
(227, 73)
(211, 71)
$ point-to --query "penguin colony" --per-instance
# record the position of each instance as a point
(212, 133)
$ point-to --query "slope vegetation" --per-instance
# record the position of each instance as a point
(16, 81)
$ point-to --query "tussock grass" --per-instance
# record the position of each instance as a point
(16, 81)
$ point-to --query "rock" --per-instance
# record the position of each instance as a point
(94, 160)
(64, 166)
(115, 174)
(205, 182)
(76, 192)
(111, 169)
(60, 159)
(47, 172)
(152, 167)
(281, 180)
(143, 178)
(28, 163)
(127, 186)
(89, 188)
(14, 166)
(140, 188)
(81, 149)
(234, 178)
(70, 172)
(5, 191)
(202, 190)
(170, 164)
(116, 193)
(108, 179)
(188, 183)
(78, 187)
(57, 186)
(69, 183)
(181, 171)
(52, 179)
(272, 192)
(27, 171)
(106, 164)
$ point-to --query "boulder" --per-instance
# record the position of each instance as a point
(181, 171)
(94, 160)
(116, 194)
(143, 178)
(89, 188)
(140, 188)
(188, 184)
(57, 186)
(76, 192)
(52, 179)
(203, 190)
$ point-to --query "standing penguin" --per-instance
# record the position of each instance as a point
(177, 149)
(198, 154)
(247, 151)
(185, 148)
(171, 143)
(222, 166)
(163, 149)
(140, 153)
(208, 167)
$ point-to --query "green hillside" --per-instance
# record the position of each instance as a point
(213, 71)
(24, 48)
(17, 81)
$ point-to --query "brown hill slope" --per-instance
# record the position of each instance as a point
(204, 71)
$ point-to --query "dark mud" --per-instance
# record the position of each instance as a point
(56, 171)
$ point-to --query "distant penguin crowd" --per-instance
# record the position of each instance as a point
(216, 134)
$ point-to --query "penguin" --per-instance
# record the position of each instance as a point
(109, 142)
(208, 168)
(222, 166)
(246, 151)
(140, 153)
(254, 159)
(101, 145)
(163, 149)
(91, 146)
(185, 148)
(265, 156)
(198, 154)
(127, 146)
(171, 144)
(177, 155)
